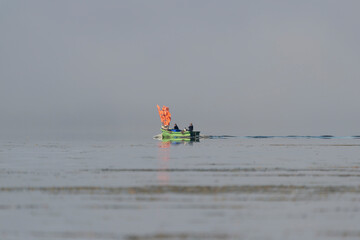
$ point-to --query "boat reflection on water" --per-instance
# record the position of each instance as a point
(163, 157)
(164, 145)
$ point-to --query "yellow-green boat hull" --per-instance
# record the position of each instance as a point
(168, 134)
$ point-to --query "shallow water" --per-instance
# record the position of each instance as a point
(219, 188)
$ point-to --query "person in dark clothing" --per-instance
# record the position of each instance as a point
(191, 127)
(176, 127)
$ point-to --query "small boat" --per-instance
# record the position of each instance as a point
(167, 133)
(171, 133)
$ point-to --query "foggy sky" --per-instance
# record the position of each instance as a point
(230, 67)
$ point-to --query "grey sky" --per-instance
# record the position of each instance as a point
(230, 67)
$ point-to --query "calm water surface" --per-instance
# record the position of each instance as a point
(219, 188)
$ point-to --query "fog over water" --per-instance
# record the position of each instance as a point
(96, 68)
(272, 86)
